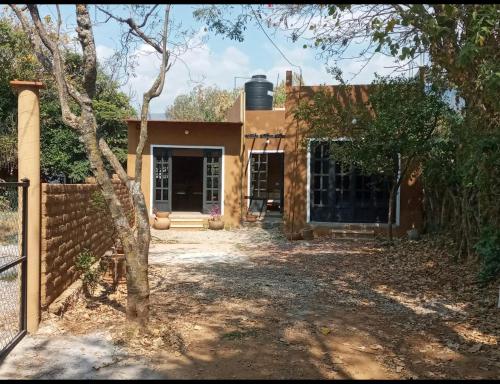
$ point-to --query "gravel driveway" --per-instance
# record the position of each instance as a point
(250, 304)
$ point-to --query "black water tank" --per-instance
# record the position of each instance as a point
(259, 93)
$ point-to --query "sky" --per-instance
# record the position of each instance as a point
(215, 60)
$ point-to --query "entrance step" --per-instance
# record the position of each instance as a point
(347, 232)
(188, 223)
(351, 234)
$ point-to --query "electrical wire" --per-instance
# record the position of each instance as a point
(275, 46)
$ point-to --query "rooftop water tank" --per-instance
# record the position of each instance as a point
(259, 93)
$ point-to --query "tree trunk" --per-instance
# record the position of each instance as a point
(135, 237)
(135, 249)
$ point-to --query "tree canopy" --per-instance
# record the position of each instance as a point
(62, 153)
(203, 104)
(458, 45)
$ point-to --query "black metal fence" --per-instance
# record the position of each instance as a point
(13, 259)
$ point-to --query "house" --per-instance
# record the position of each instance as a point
(261, 160)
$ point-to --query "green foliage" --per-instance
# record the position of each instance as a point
(90, 275)
(488, 249)
(214, 16)
(98, 202)
(61, 150)
(399, 119)
(203, 104)
(279, 96)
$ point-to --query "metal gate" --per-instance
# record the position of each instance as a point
(13, 267)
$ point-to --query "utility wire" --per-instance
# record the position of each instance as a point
(275, 46)
(294, 198)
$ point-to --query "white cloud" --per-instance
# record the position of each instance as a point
(202, 64)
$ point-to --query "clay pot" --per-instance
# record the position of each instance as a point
(161, 223)
(215, 224)
(307, 234)
(251, 218)
(162, 214)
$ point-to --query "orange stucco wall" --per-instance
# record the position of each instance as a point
(236, 159)
(410, 210)
(294, 146)
(227, 135)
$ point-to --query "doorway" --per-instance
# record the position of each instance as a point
(266, 181)
(187, 183)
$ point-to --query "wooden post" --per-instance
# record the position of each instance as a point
(28, 148)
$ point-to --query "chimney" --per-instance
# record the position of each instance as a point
(288, 79)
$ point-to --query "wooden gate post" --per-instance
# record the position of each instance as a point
(28, 149)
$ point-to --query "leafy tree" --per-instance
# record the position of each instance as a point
(399, 119)
(460, 44)
(279, 97)
(202, 104)
(61, 151)
(76, 83)
(461, 40)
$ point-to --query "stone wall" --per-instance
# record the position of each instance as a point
(71, 222)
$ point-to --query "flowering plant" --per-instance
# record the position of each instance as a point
(215, 213)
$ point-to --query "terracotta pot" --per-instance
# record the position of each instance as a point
(161, 223)
(307, 234)
(215, 224)
(162, 214)
(251, 218)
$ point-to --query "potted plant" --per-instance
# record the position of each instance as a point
(161, 220)
(251, 218)
(215, 222)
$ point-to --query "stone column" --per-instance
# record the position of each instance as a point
(28, 149)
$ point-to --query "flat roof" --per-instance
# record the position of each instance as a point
(184, 121)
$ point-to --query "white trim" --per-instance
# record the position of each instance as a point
(308, 181)
(248, 166)
(152, 146)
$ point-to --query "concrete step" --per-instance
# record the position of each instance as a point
(186, 227)
(352, 233)
(194, 222)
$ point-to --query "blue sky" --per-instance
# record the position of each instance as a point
(217, 60)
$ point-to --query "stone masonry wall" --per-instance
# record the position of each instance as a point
(72, 222)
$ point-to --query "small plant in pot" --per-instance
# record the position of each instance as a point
(215, 222)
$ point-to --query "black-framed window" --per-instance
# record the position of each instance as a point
(161, 174)
(341, 192)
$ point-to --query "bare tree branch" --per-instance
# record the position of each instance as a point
(135, 29)
(113, 160)
(153, 92)
(86, 38)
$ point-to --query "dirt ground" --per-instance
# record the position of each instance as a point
(250, 304)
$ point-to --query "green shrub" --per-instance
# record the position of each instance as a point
(488, 249)
(90, 275)
(97, 201)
